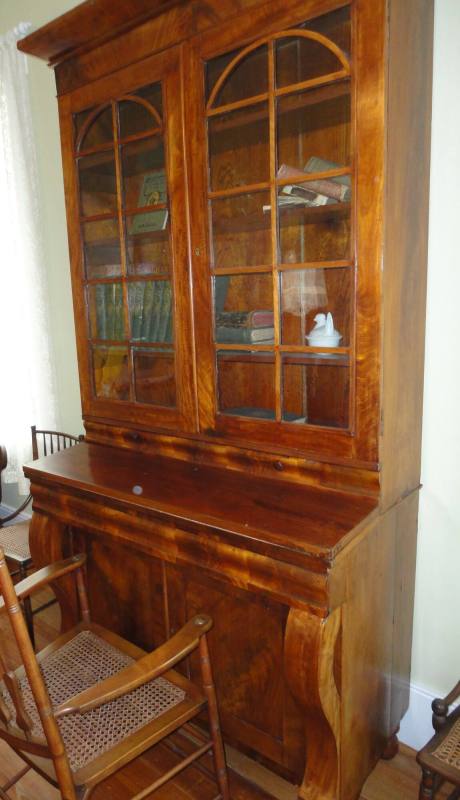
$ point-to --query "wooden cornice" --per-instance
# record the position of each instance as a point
(90, 24)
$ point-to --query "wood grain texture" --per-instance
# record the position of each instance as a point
(406, 243)
(297, 539)
(306, 520)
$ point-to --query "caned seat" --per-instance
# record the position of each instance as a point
(440, 758)
(14, 536)
(91, 702)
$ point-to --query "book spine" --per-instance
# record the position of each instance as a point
(136, 299)
(165, 312)
(110, 308)
(336, 191)
(101, 312)
(157, 299)
(119, 325)
(245, 319)
(146, 310)
(226, 335)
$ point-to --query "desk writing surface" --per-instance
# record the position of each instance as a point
(306, 519)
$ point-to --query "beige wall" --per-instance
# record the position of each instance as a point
(436, 640)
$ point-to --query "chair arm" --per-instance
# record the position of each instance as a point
(145, 669)
(440, 707)
(45, 575)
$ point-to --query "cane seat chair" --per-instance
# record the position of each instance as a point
(91, 702)
(440, 758)
(14, 536)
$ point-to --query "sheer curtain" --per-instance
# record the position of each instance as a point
(27, 384)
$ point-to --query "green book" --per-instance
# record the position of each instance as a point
(136, 305)
(165, 312)
(146, 310)
(119, 325)
(101, 312)
(156, 310)
(110, 310)
(153, 192)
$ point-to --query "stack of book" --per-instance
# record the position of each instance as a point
(316, 192)
(245, 327)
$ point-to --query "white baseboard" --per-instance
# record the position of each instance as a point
(416, 728)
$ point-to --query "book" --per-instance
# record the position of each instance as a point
(136, 306)
(110, 310)
(153, 192)
(226, 335)
(157, 300)
(119, 313)
(146, 311)
(259, 318)
(165, 312)
(337, 188)
(101, 312)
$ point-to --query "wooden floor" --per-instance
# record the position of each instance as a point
(391, 780)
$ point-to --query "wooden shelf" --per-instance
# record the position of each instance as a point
(288, 216)
(303, 359)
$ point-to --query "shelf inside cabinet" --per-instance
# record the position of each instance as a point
(289, 216)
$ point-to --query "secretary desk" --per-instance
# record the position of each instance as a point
(247, 198)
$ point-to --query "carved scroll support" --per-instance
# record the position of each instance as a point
(310, 643)
(47, 539)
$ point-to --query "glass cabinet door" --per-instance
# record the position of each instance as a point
(131, 268)
(281, 254)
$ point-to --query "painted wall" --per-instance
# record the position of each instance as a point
(436, 650)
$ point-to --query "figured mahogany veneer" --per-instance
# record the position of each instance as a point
(271, 486)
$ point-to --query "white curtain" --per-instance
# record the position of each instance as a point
(27, 384)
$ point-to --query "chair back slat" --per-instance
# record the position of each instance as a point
(46, 442)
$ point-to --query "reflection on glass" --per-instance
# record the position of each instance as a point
(314, 128)
(101, 247)
(148, 248)
(106, 311)
(100, 130)
(313, 234)
(316, 389)
(300, 58)
(98, 186)
(248, 78)
(306, 293)
(243, 309)
(111, 373)
(150, 311)
(241, 234)
(246, 384)
(335, 26)
(143, 171)
(135, 116)
(154, 377)
(239, 147)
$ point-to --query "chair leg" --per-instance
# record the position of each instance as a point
(27, 603)
(427, 785)
(216, 737)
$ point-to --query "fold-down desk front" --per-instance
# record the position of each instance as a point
(297, 578)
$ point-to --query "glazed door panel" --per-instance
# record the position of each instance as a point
(127, 220)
